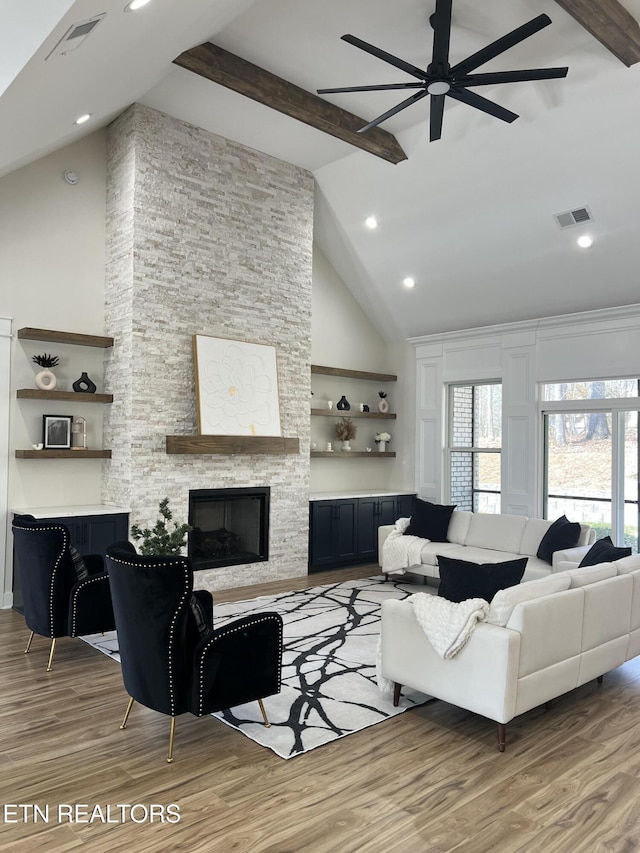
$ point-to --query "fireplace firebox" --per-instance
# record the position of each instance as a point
(229, 527)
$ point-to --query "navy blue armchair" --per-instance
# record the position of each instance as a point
(173, 660)
(64, 595)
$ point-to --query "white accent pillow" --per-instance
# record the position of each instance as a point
(506, 599)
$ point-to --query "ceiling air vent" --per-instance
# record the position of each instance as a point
(75, 35)
(573, 217)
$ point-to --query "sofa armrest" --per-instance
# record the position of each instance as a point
(383, 531)
(569, 555)
(482, 677)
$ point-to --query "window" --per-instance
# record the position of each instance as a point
(475, 440)
(591, 455)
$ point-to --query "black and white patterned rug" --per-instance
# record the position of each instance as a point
(329, 686)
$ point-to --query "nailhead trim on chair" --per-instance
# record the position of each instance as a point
(65, 545)
(227, 633)
(74, 600)
(173, 621)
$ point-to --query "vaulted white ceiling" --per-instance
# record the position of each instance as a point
(469, 217)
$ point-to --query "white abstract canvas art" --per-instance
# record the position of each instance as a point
(236, 387)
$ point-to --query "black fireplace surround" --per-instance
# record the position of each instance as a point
(229, 527)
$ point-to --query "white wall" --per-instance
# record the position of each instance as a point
(342, 336)
(591, 345)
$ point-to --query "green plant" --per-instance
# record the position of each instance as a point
(46, 360)
(159, 539)
(345, 429)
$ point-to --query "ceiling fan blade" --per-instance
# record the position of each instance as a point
(386, 57)
(500, 45)
(380, 88)
(436, 112)
(401, 106)
(441, 22)
(511, 76)
(483, 104)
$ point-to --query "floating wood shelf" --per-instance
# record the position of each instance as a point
(325, 413)
(63, 396)
(353, 374)
(29, 334)
(345, 454)
(232, 444)
(63, 454)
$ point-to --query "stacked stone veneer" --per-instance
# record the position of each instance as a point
(204, 236)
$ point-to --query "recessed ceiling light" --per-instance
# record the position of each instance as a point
(585, 241)
(83, 118)
(371, 222)
(134, 5)
(409, 282)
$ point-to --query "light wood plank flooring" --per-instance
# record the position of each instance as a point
(431, 779)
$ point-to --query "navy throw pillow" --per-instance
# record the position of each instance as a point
(603, 551)
(429, 521)
(82, 572)
(460, 579)
(562, 534)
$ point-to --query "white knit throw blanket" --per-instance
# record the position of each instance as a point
(399, 552)
(448, 625)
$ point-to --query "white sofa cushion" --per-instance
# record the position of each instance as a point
(534, 530)
(625, 565)
(496, 531)
(459, 526)
(506, 599)
(589, 574)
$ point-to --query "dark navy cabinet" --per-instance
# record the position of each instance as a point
(344, 531)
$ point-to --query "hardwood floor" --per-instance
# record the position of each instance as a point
(431, 779)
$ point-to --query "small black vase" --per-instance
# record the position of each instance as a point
(343, 404)
(84, 384)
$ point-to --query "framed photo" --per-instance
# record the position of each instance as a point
(56, 432)
(236, 387)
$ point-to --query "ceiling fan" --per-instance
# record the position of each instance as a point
(440, 79)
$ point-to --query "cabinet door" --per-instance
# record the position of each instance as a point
(321, 539)
(404, 506)
(345, 530)
(101, 531)
(368, 527)
(387, 510)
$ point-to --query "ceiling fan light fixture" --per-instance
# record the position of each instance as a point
(438, 87)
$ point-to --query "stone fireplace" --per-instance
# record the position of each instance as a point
(228, 527)
(204, 236)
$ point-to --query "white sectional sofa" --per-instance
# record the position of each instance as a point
(543, 638)
(487, 538)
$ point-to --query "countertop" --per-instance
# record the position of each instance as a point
(68, 511)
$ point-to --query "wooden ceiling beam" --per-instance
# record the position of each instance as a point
(213, 62)
(610, 23)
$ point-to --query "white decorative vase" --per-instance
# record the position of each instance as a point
(382, 445)
(46, 380)
(346, 445)
(383, 406)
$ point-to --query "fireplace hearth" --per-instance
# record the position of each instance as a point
(229, 527)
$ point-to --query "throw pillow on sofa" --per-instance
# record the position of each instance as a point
(603, 551)
(560, 535)
(430, 521)
(460, 579)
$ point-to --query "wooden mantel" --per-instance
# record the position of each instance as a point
(232, 444)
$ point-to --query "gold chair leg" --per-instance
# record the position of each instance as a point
(171, 734)
(26, 651)
(53, 648)
(123, 725)
(267, 724)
